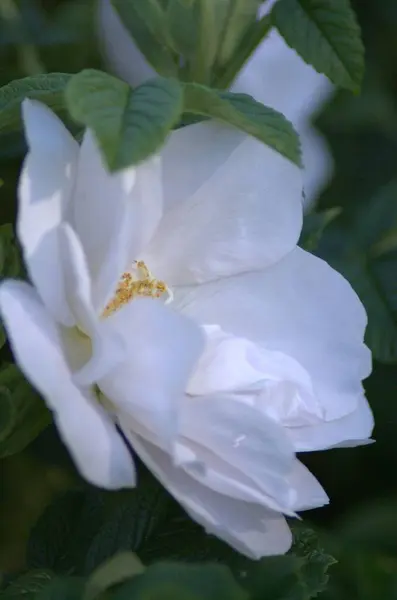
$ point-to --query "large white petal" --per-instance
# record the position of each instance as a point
(44, 192)
(245, 217)
(307, 491)
(106, 350)
(353, 429)
(242, 436)
(265, 378)
(278, 77)
(114, 215)
(249, 528)
(99, 452)
(301, 307)
(192, 155)
(161, 348)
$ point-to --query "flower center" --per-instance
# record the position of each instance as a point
(138, 283)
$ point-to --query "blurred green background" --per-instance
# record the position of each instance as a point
(360, 525)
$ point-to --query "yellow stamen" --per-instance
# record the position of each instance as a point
(130, 287)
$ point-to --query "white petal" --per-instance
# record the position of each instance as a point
(307, 491)
(188, 165)
(99, 452)
(161, 348)
(249, 528)
(300, 307)
(106, 351)
(318, 163)
(219, 475)
(245, 217)
(270, 380)
(243, 437)
(114, 215)
(120, 51)
(278, 77)
(351, 430)
(44, 192)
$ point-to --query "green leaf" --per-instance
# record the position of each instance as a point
(129, 125)
(130, 524)
(313, 574)
(63, 533)
(29, 413)
(118, 569)
(207, 41)
(176, 581)
(47, 88)
(326, 35)
(359, 252)
(300, 575)
(182, 28)
(242, 14)
(27, 586)
(248, 115)
(145, 21)
(276, 578)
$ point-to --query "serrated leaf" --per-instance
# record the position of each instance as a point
(315, 562)
(326, 35)
(354, 252)
(176, 581)
(27, 586)
(129, 125)
(64, 531)
(47, 88)
(145, 22)
(248, 115)
(30, 415)
(130, 524)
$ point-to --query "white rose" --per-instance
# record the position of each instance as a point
(217, 408)
(274, 75)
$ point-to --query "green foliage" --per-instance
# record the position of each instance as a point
(241, 15)
(23, 414)
(121, 567)
(326, 35)
(182, 28)
(243, 112)
(175, 581)
(47, 88)
(366, 254)
(27, 586)
(129, 124)
(10, 262)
